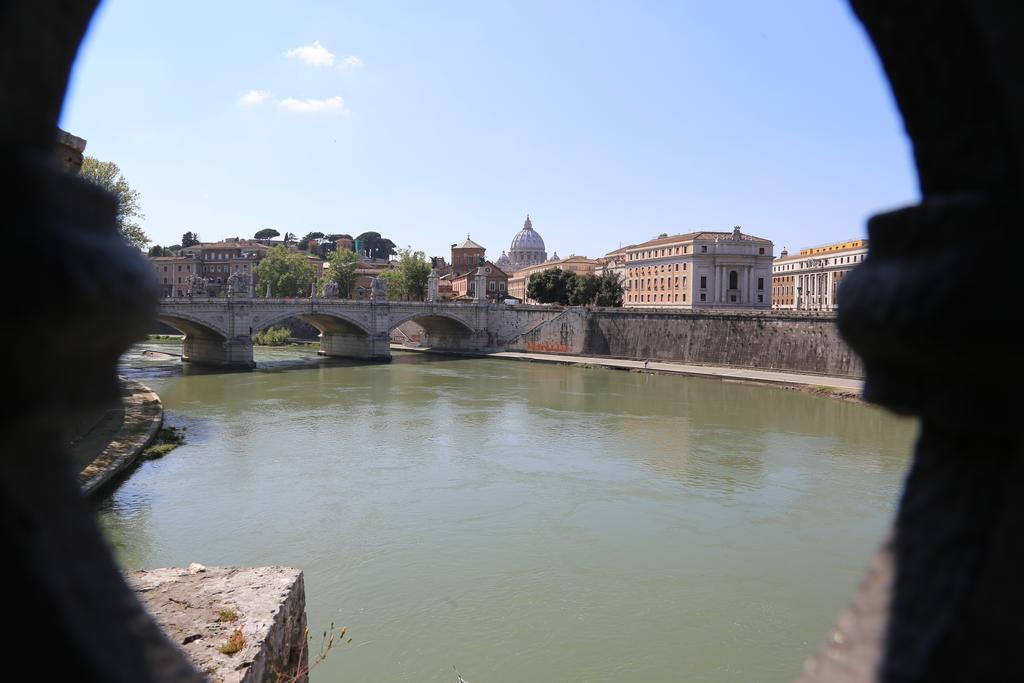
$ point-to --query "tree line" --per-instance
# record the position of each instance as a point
(556, 286)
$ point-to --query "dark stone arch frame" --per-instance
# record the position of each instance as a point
(955, 68)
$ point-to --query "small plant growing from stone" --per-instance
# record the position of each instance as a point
(330, 638)
(234, 644)
(167, 439)
(227, 614)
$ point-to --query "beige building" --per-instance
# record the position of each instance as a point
(613, 262)
(519, 281)
(699, 270)
(809, 281)
(217, 261)
(173, 273)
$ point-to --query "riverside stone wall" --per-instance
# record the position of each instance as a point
(768, 340)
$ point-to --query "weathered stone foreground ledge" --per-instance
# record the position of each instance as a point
(200, 609)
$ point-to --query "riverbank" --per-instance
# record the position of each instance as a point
(844, 388)
(118, 437)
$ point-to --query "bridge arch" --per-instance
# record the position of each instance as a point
(438, 321)
(326, 322)
(191, 325)
(444, 331)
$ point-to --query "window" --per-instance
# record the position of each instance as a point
(704, 249)
(491, 286)
(760, 250)
(703, 284)
(760, 283)
(703, 297)
(734, 281)
(501, 286)
(760, 298)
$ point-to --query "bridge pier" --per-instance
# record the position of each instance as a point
(457, 341)
(354, 345)
(215, 352)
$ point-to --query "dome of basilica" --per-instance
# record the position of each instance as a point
(527, 247)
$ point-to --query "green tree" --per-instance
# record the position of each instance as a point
(412, 270)
(609, 290)
(107, 174)
(288, 238)
(189, 238)
(584, 290)
(342, 270)
(266, 234)
(551, 286)
(289, 273)
(304, 242)
(396, 288)
(157, 250)
(373, 246)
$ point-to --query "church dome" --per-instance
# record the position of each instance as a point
(527, 247)
(527, 239)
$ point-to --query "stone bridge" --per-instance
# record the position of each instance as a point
(219, 331)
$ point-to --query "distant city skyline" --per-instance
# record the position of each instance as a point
(608, 124)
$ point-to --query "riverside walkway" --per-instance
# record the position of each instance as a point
(846, 385)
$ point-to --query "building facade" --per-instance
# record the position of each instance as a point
(613, 263)
(217, 261)
(809, 280)
(699, 270)
(463, 286)
(466, 256)
(173, 273)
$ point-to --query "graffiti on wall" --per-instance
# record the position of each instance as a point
(548, 347)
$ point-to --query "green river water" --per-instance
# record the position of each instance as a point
(525, 522)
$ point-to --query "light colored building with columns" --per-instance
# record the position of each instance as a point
(809, 281)
(703, 269)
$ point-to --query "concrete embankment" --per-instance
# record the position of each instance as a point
(762, 340)
(238, 625)
(837, 387)
(120, 434)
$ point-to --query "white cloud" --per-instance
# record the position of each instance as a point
(255, 97)
(314, 55)
(335, 103)
(351, 63)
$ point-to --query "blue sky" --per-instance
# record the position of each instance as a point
(608, 122)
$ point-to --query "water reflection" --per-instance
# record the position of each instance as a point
(601, 521)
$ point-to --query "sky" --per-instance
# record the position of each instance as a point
(608, 122)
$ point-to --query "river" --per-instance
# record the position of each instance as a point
(521, 521)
